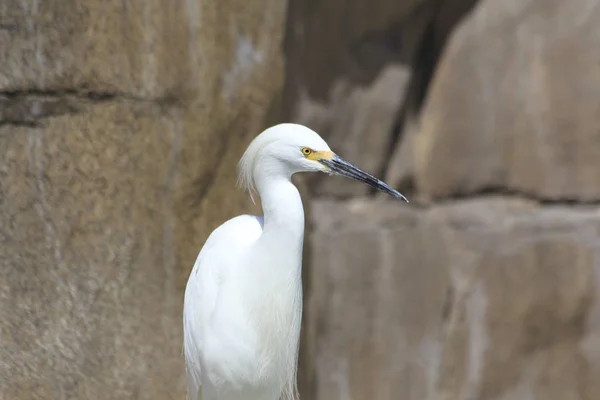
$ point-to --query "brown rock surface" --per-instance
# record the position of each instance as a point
(348, 40)
(514, 104)
(111, 121)
(481, 299)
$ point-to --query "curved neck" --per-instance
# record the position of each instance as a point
(282, 207)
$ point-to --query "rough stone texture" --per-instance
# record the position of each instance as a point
(514, 104)
(481, 299)
(121, 124)
(141, 48)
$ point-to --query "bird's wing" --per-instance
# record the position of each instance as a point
(204, 283)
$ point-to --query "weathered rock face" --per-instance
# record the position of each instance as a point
(120, 128)
(482, 299)
(514, 104)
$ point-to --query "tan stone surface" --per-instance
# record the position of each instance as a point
(144, 48)
(514, 104)
(110, 181)
(483, 299)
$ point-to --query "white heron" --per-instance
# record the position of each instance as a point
(243, 299)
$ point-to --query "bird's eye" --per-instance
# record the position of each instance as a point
(306, 151)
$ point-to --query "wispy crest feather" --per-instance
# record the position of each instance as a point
(250, 159)
(246, 170)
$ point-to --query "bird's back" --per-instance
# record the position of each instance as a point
(213, 264)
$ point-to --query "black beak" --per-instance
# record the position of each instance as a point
(341, 167)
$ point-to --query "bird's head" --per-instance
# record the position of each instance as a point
(286, 149)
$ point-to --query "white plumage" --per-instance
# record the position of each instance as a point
(243, 300)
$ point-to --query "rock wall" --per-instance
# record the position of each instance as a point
(487, 286)
(514, 105)
(490, 298)
(121, 124)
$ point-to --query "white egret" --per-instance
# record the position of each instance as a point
(243, 299)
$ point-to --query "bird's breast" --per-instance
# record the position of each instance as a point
(260, 315)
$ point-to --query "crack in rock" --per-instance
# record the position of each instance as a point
(29, 107)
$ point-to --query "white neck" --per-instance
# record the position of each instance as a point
(279, 277)
(283, 211)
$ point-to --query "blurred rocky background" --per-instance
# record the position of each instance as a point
(487, 115)
(121, 123)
